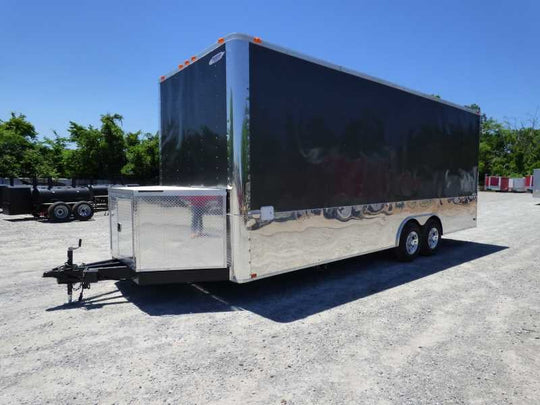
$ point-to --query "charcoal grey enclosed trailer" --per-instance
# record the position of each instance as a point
(306, 163)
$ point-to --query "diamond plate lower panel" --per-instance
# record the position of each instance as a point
(180, 232)
(169, 228)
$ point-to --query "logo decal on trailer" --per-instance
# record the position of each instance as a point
(216, 58)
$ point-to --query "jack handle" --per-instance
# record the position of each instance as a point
(70, 253)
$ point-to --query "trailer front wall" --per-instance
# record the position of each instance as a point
(194, 124)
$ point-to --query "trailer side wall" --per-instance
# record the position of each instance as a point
(324, 138)
(345, 161)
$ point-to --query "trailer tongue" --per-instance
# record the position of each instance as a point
(85, 274)
(158, 235)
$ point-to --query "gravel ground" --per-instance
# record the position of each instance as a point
(460, 327)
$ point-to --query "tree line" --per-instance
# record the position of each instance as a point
(108, 152)
(508, 150)
(104, 152)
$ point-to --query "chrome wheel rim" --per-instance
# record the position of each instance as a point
(60, 212)
(344, 212)
(83, 210)
(433, 238)
(411, 243)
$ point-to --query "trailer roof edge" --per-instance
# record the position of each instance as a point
(296, 54)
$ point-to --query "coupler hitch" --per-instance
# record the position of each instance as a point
(85, 274)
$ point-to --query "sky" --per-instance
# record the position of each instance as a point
(63, 61)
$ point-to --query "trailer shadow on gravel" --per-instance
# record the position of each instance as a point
(293, 296)
(23, 219)
(42, 220)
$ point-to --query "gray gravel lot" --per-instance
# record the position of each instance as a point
(460, 327)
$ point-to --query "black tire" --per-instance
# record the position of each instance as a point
(431, 237)
(83, 211)
(409, 242)
(59, 212)
(328, 213)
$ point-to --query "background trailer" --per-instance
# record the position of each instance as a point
(536, 183)
(517, 184)
(315, 163)
(497, 183)
(529, 182)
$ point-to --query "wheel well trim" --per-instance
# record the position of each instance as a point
(435, 217)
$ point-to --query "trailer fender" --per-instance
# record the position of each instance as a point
(419, 219)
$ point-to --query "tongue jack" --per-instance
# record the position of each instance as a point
(69, 264)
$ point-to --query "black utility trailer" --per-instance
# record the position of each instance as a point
(54, 203)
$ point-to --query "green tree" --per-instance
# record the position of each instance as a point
(104, 152)
(18, 156)
(113, 146)
(142, 157)
(85, 159)
(506, 150)
(474, 107)
(99, 153)
(20, 126)
(54, 152)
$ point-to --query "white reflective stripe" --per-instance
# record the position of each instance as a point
(233, 307)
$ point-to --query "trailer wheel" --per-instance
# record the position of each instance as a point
(343, 214)
(83, 211)
(409, 242)
(431, 237)
(59, 212)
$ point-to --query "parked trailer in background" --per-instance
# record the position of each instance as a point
(272, 161)
(536, 183)
(60, 203)
(490, 181)
(56, 203)
(517, 185)
(2, 189)
(529, 180)
(17, 200)
(496, 183)
(101, 195)
(69, 202)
